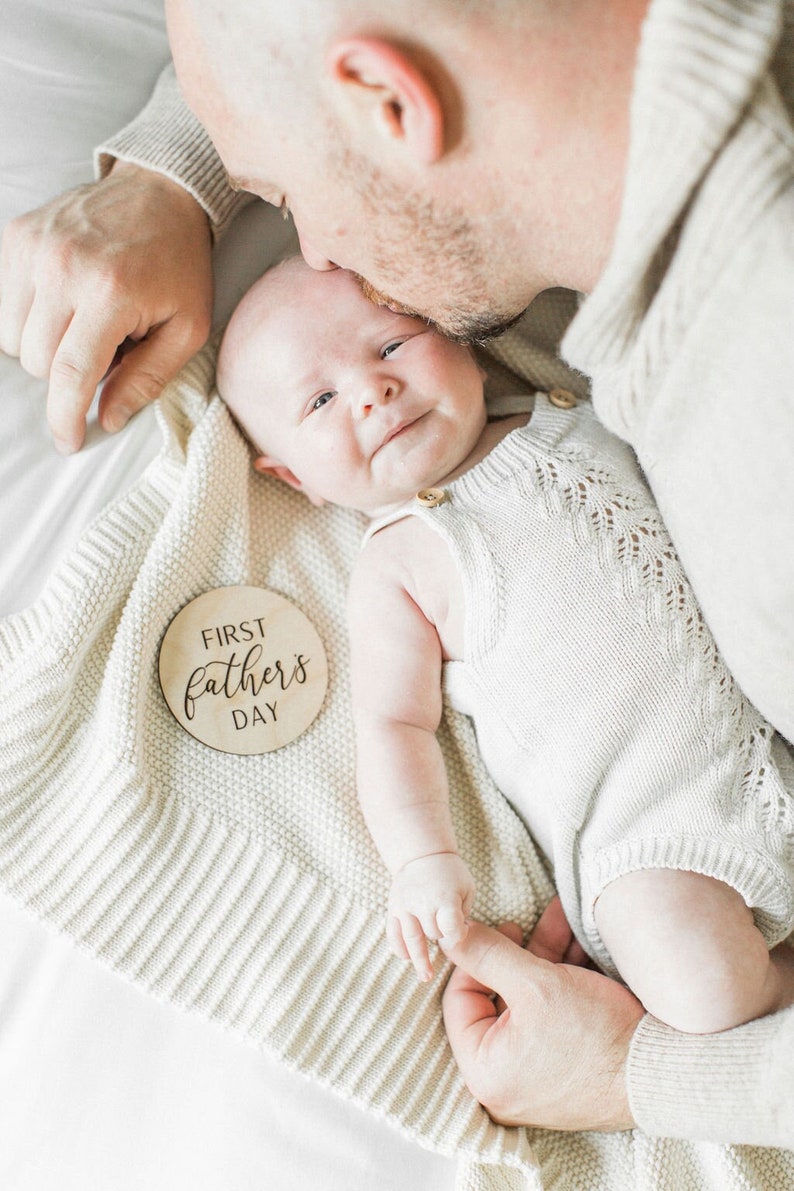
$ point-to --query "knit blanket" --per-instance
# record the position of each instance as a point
(245, 888)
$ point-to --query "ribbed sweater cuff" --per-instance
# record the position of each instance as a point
(721, 1087)
(166, 137)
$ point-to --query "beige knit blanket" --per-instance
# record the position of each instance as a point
(246, 889)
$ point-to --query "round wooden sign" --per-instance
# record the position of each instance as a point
(243, 670)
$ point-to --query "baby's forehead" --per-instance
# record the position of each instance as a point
(271, 311)
(304, 301)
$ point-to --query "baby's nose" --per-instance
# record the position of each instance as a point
(376, 394)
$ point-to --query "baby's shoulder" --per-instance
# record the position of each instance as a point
(405, 538)
(384, 555)
(408, 554)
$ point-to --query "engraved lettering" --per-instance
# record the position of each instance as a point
(231, 676)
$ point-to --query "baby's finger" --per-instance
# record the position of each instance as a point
(451, 924)
(416, 946)
(394, 937)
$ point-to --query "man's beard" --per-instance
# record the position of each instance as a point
(468, 329)
(441, 241)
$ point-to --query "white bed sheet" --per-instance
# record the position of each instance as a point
(100, 1085)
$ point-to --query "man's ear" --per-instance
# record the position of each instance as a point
(388, 86)
(271, 467)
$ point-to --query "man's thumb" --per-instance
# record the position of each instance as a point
(489, 960)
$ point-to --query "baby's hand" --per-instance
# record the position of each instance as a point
(430, 898)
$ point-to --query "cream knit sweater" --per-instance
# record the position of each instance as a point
(702, 67)
(689, 335)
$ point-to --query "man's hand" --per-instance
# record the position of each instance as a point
(551, 1050)
(126, 260)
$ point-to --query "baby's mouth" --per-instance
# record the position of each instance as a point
(397, 429)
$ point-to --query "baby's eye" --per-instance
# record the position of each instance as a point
(391, 348)
(320, 401)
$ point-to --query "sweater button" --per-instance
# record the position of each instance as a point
(562, 398)
(430, 497)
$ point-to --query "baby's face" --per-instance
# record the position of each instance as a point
(362, 405)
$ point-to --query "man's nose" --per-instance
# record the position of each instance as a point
(314, 258)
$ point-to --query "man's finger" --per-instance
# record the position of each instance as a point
(488, 953)
(41, 337)
(469, 1009)
(146, 369)
(14, 308)
(488, 962)
(82, 359)
(551, 935)
(553, 939)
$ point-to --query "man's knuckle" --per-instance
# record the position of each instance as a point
(61, 263)
(66, 371)
(110, 290)
(35, 361)
(143, 384)
(14, 234)
(150, 383)
(196, 332)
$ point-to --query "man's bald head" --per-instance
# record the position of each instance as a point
(460, 155)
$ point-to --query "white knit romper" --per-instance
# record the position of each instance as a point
(601, 706)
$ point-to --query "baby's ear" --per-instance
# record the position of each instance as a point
(271, 467)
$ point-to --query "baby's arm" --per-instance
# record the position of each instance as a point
(396, 680)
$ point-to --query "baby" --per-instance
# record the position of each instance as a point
(515, 560)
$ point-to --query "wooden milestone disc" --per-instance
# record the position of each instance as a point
(243, 670)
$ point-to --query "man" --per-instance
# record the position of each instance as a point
(461, 159)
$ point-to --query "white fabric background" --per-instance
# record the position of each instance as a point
(101, 1086)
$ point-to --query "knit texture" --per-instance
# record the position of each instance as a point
(246, 889)
(601, 705)
(756, 1056)
(703, 64)
(168, 138)
(687, 337)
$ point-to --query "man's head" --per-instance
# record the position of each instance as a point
(460, 155)
(345, 400)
